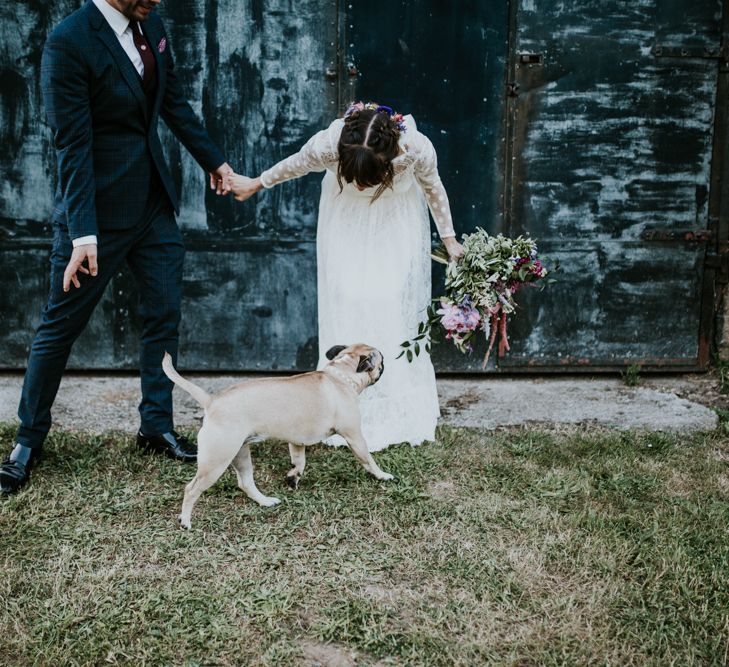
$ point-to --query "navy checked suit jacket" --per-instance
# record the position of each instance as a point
(105, 128)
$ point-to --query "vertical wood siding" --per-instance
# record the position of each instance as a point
(612, 141)
(254, 71)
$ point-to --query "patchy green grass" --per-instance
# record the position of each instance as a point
(722, 370)
(631, 375)
(514, 547)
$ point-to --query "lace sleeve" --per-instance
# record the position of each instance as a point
(426, 173)
(317, 154)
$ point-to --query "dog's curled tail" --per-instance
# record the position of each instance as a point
(200, 395)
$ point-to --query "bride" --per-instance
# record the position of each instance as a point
(373, 255)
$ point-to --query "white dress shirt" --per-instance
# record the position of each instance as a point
(120, 25)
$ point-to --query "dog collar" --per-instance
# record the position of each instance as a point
(343, 377)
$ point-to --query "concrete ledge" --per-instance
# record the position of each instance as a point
(98, 403)
(607, 402)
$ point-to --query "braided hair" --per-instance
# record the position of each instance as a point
(367, 146)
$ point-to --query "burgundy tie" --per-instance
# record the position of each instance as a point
(145, 52)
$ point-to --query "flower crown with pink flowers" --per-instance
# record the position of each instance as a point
(377, 108)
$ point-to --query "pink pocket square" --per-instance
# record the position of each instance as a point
(162, 45)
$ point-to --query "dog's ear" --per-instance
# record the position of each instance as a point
(365, 364)
(334, 351)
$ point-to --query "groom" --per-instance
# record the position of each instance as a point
(107, 75)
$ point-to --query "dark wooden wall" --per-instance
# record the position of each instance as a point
(587, 124)
(255, 71)
(612, 146)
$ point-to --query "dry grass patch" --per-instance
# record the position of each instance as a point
(516, 547)
(326, 655)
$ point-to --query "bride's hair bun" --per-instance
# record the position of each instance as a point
(367, 146)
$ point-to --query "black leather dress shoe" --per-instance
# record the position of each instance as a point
(170, 444)
(15, 470)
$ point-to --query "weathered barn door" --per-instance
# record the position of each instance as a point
(603, 155)
(257, 72)
(587, 124)
(448, 68)
(611, 118)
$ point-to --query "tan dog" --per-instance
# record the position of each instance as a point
(302, 409)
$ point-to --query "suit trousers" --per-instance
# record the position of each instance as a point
(154, 251)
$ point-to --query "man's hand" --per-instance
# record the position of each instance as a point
(242, 186)
(217, 178)
(75, 266)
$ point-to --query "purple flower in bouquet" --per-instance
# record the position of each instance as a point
(457, 318)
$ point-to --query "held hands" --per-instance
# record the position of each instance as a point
(224, 181)
(87, 253)
(454, 248)
(242, 187)
(81, 253)
(217, 178)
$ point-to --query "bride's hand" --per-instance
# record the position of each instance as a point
(242, 187)
(455, 250)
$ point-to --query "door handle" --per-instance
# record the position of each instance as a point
(530, 58)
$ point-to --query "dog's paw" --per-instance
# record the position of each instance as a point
(268, 501)
(292, 481)
(184, 524)
(385, 477)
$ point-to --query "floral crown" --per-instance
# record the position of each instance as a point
(377, 108)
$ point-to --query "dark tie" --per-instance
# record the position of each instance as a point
(145, 52)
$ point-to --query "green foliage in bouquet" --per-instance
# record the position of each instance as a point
(480, 290)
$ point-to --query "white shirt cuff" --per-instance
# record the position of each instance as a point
(84, 240)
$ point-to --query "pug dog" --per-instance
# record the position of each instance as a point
(302, 410)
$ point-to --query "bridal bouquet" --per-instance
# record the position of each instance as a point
(479, 292)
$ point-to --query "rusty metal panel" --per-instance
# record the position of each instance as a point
(27, 166)
(602, 153)
(448, 69)
(611, 148)
(255, 71)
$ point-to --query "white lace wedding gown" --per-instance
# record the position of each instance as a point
(374, 275)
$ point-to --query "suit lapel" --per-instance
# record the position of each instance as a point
(110, 40)
(153, 38)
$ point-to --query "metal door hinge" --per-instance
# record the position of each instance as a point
(719, 261)
(690, 235)
(670, 51)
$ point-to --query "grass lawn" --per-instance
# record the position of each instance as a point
(515, 547)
